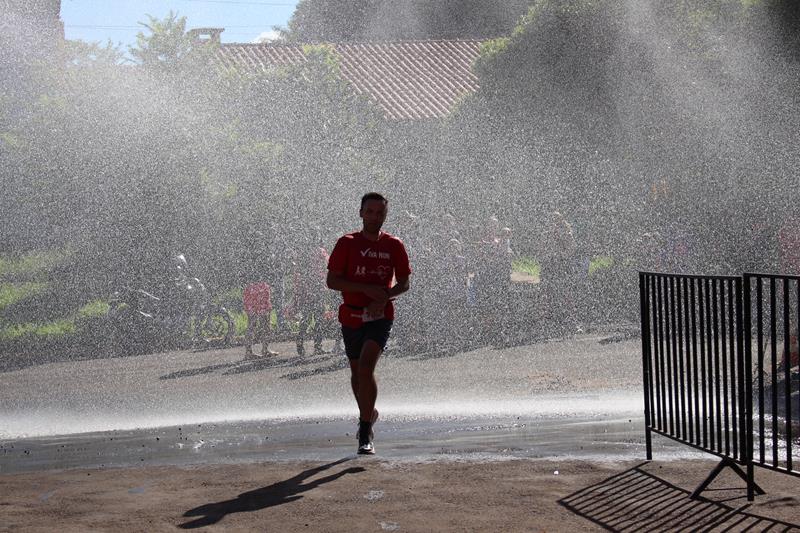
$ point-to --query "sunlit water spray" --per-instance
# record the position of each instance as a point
(51, 422)
(547, 380)
(159, 167)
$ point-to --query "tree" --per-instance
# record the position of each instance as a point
(590, 104)
(167, 47)
(81, 53)
(387, 20)
(297, 137)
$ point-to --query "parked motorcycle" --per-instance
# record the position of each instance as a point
(183, 313)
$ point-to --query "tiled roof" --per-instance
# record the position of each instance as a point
(409, 80)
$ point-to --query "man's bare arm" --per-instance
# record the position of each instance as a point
(337, 282)
(402, 285)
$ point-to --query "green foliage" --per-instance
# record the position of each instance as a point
(56, 328)
(93, 309)
(81, 53)
(323, 55)
(529, 17)
(526, 265)
(386, 20)
(600, 263)
(24, 294)
(10, 140)
(239, 321)
(166, 46)
(51, 103)
(31, 265)
(588, 103)
(231, 298)
(11, 293)
(493, 47)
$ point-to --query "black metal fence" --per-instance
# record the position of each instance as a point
(694, 370)
(771, 305)
(719, 356)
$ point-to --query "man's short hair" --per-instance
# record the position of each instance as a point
(373, 196)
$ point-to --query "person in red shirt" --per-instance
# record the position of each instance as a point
(258, 306)
(363, 266)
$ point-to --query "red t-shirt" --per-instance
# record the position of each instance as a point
(256, 298)
(372, 262)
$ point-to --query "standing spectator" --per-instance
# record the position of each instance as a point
(454, 287)
(258, 307)
(505, 258)
(559, 275)
(278, 268)
(406, 329)
(677, 249)
(789, 246)
(789, 263)
(450, 228)
(257, 294)
(309, 292)
(648, 253)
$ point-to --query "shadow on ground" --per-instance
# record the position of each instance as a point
(636, 500)
(269, 496)
(263, 363)
(414, 351)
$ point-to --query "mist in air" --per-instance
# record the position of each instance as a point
(143, 191)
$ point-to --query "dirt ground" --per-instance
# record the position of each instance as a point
(373, 494)
(390, 492)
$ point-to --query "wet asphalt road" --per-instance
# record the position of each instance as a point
(574, 397)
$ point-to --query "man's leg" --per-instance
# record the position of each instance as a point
(354, 381)
(317, 332)
(363, 354)
(360, 373)
(249, 334)
(277, 304)
(266, 335)
(305, 319)
(367, 385)
(365, 389)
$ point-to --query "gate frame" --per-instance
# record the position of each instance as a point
(744, 397)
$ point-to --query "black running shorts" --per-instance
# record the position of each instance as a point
(354, 338)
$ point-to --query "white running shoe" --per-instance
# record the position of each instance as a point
(366, 449)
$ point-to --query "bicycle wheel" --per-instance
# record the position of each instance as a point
(215, 327)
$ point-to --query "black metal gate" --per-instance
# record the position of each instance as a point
(695, 379)
(771, 305)
(721, 368)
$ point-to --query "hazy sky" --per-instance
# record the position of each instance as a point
(101, 20)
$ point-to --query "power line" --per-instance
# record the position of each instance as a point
(256, 29)
(110, 27)
(245, 2)
(93, 27)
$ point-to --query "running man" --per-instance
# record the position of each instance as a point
(362, 266)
